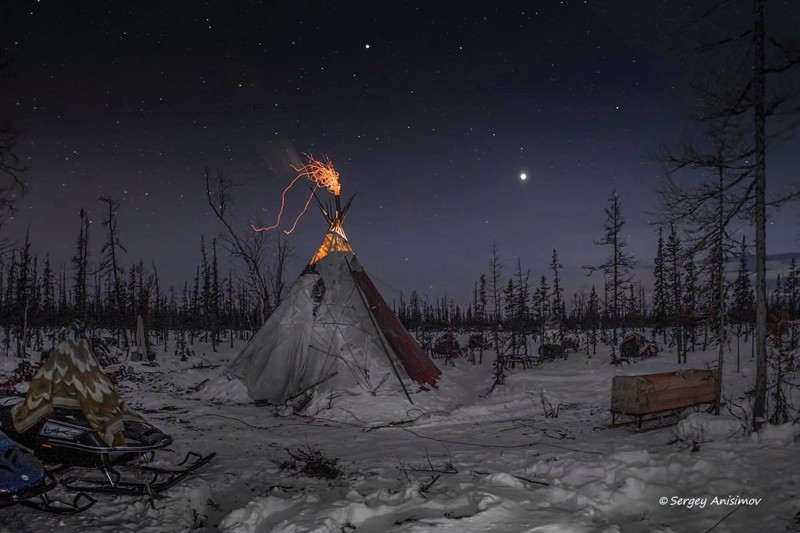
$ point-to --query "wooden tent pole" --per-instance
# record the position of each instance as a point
(382, 340)
(321, 208)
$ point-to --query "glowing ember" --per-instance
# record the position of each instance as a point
(321, 173)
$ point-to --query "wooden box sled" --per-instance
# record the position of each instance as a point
(657, 394)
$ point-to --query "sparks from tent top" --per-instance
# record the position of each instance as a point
(321, 173)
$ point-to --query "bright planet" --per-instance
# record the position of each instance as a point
(523, 176)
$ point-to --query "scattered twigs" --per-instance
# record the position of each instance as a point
(312, 462)
(547, 431)
(446, 468)
(436, 470)
(547, 406)
(427, 486)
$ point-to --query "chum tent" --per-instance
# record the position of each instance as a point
(333, 332)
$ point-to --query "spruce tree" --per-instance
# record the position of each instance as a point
(660, 287)
(521, 309)
(674, 259)
(791, 289)
(557, 306)
(690, 301)
(215, 296)
(541, 308)
(510, 307)
(48, 293)
(617, 267)
(743, 310)
(495, 270)
(22, 298)
(480, 314)
(593, 320)
(80, 265)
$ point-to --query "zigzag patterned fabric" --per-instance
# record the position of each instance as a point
(71, 378)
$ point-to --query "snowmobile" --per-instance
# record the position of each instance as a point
(65, 439)
(24, 481)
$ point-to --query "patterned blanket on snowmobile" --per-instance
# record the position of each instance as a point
(72, 378)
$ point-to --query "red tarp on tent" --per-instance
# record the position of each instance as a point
(417, 364)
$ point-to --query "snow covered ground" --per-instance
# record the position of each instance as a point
(458, 460)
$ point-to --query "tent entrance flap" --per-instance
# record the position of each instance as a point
(416, 363)
(394, 360)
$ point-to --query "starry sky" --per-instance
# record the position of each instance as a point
(430, 111)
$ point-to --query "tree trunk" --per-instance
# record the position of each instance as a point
(720, 260)
(760, 400)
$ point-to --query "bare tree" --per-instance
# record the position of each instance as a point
(253, 249)
(11, 169)
(275, 269)
(741, 95)
(708, 206)
(109, 262)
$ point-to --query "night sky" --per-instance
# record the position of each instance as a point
(429, 110)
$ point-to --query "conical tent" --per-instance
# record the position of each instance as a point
(333, 332)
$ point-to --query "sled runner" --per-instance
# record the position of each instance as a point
(73, 416)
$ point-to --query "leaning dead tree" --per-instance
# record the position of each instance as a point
(263, 255)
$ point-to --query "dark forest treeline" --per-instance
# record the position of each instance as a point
(681, 309)
(37, 298)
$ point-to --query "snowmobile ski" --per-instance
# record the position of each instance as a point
(24, 481)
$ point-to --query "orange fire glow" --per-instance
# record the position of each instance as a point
(321, 174)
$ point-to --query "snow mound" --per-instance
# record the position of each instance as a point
(223, 387)
(249, 518)
(703, 427)
(626, 483)
(781, 435)
(482, 508)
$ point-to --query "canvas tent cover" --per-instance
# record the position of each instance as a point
(333, 331)
(72, 378)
